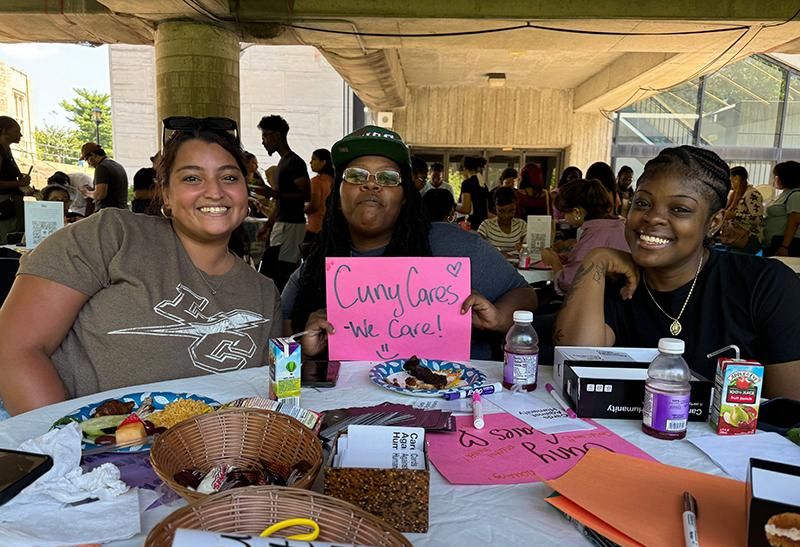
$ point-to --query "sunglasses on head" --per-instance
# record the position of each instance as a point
(217, 124)
(357, 175)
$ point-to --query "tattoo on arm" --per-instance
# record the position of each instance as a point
(598, 274)
(558, 336)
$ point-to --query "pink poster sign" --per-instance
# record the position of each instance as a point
(509, 451)
(385, 308)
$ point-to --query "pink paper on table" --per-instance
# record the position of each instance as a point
(509, 451)
(398, 307)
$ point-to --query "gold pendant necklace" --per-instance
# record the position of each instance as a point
(675, 327)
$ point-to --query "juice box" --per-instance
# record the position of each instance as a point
(736, 395)
(284, 371)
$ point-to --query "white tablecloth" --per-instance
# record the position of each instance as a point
(459, 515)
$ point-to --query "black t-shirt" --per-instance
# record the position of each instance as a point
(8, 170)
(113, 174)
(749, 301)
(290, 168)
(480, 200)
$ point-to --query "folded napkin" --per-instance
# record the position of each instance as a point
(40, 514)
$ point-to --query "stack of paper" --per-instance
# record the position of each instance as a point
(381, 447)
(637, 502)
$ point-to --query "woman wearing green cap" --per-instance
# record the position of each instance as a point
(375, 210)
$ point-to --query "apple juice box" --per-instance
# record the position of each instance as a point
(284, 371)
(736, 395)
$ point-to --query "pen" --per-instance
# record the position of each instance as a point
(464, 393)
(690, 538)
(477, 411)
(564, 406)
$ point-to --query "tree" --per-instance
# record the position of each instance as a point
(79, 111)
(58, 143)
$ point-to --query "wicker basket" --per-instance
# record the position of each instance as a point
(251, 509)
(239, 437)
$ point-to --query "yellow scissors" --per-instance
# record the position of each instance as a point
(310, 536)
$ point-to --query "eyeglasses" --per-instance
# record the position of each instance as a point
(178, 124)
(357, 175)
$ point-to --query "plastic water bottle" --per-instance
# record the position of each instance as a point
(666, 393)
(521, 351)
(524, 259)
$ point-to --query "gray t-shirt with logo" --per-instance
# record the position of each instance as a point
(151, 314)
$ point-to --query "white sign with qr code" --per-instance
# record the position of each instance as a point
(42, 218)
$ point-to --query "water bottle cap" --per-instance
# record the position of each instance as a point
(671, 345)
(523, 316)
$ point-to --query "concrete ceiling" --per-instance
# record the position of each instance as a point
(643, 54)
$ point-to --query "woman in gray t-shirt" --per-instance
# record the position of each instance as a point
(121, 299)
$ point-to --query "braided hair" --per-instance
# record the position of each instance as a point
(699, 168)
(409, 238)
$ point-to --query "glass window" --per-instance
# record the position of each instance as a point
(791, 131)
(666, 118)
(496, 166)
(454, 176)
(742, 104)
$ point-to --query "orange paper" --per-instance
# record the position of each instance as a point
(590, 521)
(644, 500)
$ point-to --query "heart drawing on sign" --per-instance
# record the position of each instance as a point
(454, 269)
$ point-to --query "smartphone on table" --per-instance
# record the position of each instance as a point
(20, 469)
(319, 373)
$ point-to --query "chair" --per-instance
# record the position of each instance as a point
(767, 191)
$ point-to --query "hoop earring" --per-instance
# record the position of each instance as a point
(163, 214)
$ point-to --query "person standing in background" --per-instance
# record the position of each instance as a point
(110, 179)
(322, 165)
(291, 189)
(437, 178)
(474, 199)
(11, 180)
(144, 182)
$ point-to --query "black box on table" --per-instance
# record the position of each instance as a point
(598, 391)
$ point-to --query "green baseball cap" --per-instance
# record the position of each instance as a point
(371, 140)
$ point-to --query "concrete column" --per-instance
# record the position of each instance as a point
(197, 70)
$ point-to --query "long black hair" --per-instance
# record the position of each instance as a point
(409, 238)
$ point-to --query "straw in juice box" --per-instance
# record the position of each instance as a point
(284, 371)
(737, 392)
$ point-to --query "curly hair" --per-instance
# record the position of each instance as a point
(699, 168)
(409, 238)
(274, 123)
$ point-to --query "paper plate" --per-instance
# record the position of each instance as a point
(470, 377)
(160, 400)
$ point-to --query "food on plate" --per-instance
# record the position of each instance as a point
(783, 530)
(178, 411)
(225, 476)
(130, 433)
(101, 425)
(114, 407)
(424, 374)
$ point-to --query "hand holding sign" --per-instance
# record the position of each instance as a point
(395, 307)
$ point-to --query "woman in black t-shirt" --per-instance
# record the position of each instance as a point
(672, 285)
(474, 198)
